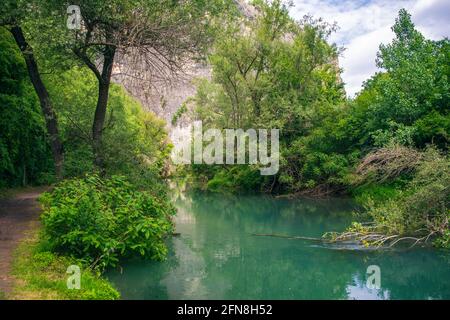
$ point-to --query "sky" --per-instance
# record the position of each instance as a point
(365, 24)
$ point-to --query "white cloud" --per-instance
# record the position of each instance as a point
(358, 61)
(365, 24)
(432, 17)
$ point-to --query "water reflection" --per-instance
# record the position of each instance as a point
(216, 256)
(358, 290)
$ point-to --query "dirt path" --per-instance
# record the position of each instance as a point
(17, 215)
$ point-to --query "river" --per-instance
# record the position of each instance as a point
(217, 257)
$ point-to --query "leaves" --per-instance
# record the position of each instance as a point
(104, 220)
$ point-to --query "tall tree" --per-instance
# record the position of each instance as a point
(162, 35)
(271, 71)
(417, 73)
(11, 17)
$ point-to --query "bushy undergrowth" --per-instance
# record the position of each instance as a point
(231, 179)
(418, 210)
(103, 220)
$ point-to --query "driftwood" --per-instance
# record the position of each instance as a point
(372, 239)
(289, 237)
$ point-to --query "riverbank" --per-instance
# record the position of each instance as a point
(41, 275)
(28, 270)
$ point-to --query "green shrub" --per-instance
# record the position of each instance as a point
(433, 127)
(376, 192)
(103, 220)
(240, 178)
(421, 208)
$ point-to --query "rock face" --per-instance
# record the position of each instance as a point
(163, 94)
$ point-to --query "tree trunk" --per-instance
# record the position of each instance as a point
(100, 110)
(44, 99)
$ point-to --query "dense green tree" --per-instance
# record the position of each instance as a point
(25, 156)
(410, 100)
(12, 16)
(272, 72)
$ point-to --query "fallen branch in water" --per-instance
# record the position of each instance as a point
(373, 239)
(289, 237)
(376, 239)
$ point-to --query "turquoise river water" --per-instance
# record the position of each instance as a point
(216, 256)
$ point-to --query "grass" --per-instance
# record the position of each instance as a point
(40, 274)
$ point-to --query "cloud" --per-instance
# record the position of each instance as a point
(365, 24)
(432, 18)
(358, 61)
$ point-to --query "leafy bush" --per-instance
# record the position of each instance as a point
(433, 127)
(238, 178)
(376, 192)
(421, 208)
(103, 220)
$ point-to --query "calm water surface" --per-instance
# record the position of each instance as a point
(217, 257)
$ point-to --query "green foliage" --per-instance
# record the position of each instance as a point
(273, 72)
(101, 221)
(421, 207)
(25, 156)
(42, 274)
(135, 141)
(433, 127)
(178, 114)
(409, 103)
(395, 134)
(279, 73)
(376, 192)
